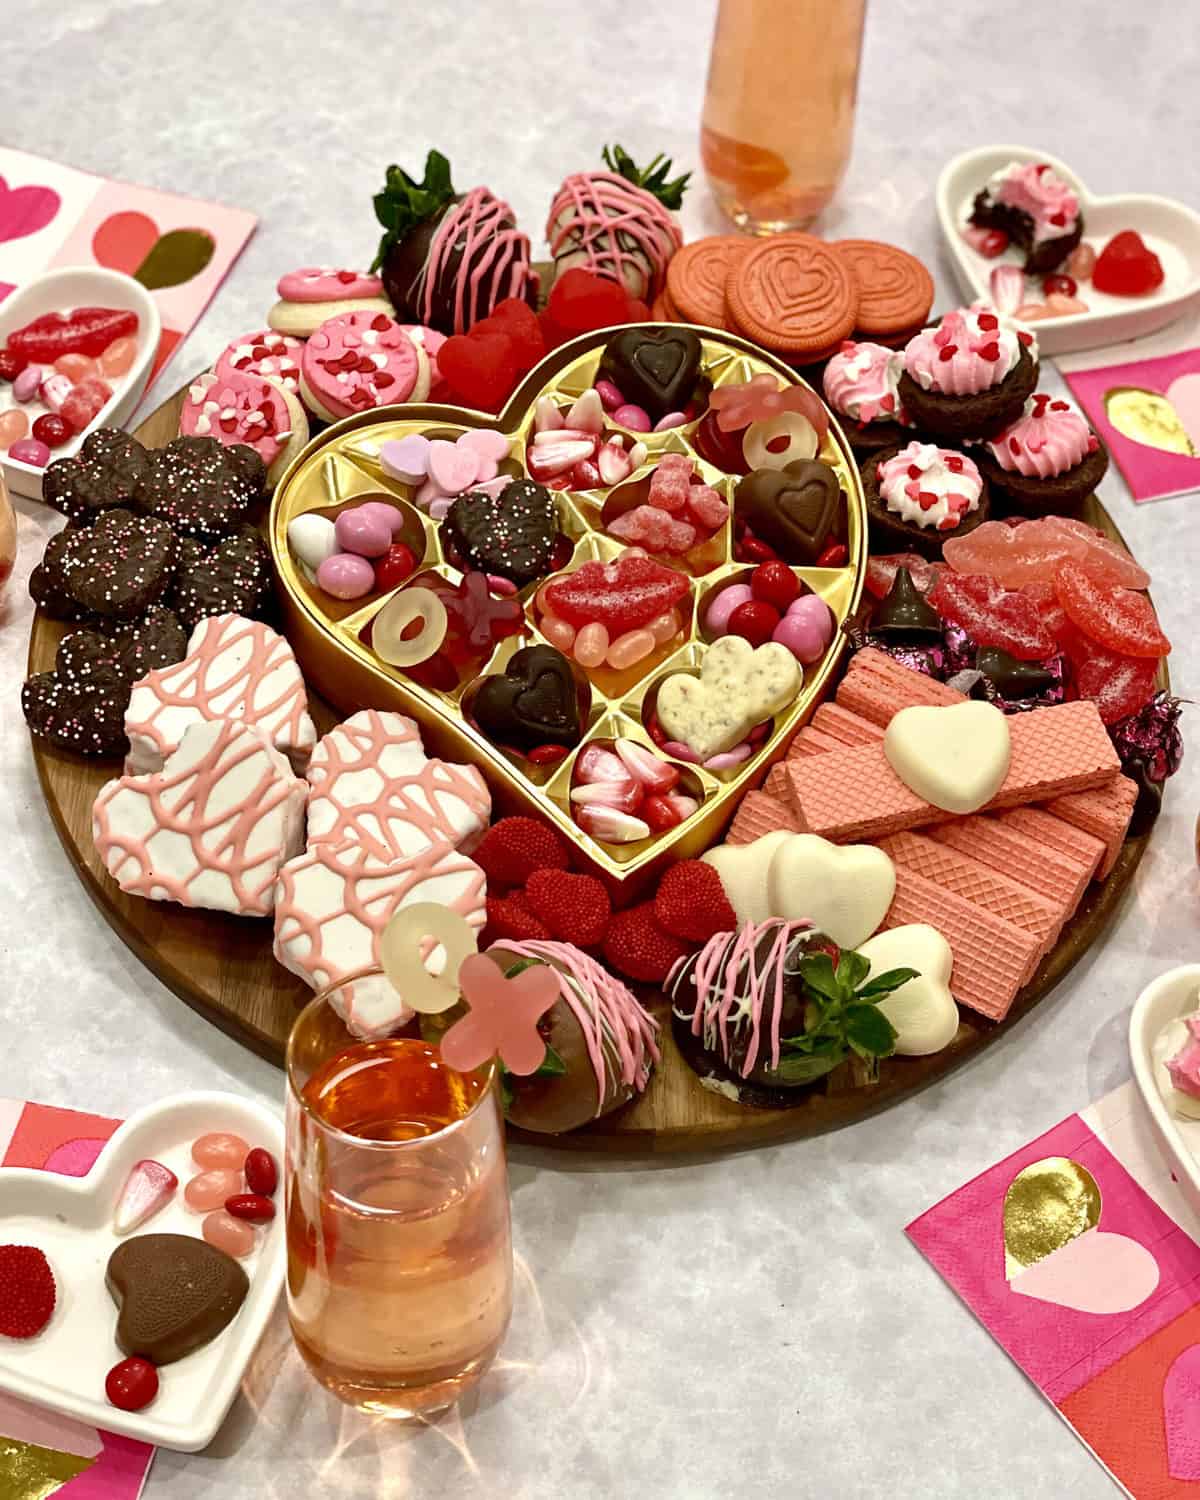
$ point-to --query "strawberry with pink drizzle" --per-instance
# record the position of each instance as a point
(1036, 208)
(918, 495)
(1048, 461)
(861, 383)
(968, 377)
(309, 296)
(361, 360)
(248, 409)
(266, 354)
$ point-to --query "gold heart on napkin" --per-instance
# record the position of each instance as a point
(1048, 1204)
(1148, 417)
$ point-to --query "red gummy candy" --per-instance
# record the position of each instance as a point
(1118, 685)
(1045, 601)
(882, 570)
(518, 321)
(991, 615)
(580, 302)
(475, 617)
(720, 448)
(88, 330)
(1126, 267)
(1122, 620)
(622, 595)
(481, 369)
(85, 402)
(394, 566)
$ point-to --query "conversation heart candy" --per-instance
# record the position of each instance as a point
(406, 458)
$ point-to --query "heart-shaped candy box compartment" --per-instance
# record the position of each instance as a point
(70, 1220)
(332, 639)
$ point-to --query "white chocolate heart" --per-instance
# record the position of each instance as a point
(923, 1010)
(739, 686)
(843, 891)
(744, 869)
(955, 757)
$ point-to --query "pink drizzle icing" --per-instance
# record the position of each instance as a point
(190, 799)
(270, 355)
(620, 230)
(1048, 438)
(495, 257)
(1184, 1067)
(969, 351)
(237, 408)
(1036, 189)
(417, 803)
(327, 284)
(860, 383)
(732, 986)
(235, 669)
(614, 1024)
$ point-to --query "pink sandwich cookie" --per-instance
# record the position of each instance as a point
(234, 669)
(361, 360)
(310, 296)
(333, 903)
(968, 377)
(919, 495)
(249, 409)
(861, 384)
(269, 355)
(1047, 462)
(212, 828)
(371, 781)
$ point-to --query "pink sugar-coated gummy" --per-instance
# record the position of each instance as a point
(706, 506)
(560, 633)
(672, 419)
(365, 535)
(716, 619)
(664, 628)
(25, 386)
(390, 515)
(224, 1232)
(118, 357)
(632, 417)
(610, 397)
(806, 629)
(30, 451)
(219, 1148)
(629, 648)
(54, 390)
(209, 1190)
(591, 645)
(346, 576)
(75, 366)
(13, 426)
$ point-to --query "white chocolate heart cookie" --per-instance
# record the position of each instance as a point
(843, 891)
(923, 1010)
(739, 686)
(744, 870)
(955, 757)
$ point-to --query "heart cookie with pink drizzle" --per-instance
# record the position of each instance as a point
(312, 294)
(236, 408)
(360, 360)
(969, 376)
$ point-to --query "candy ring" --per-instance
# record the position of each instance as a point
(236, 408)
(358, 361)
(799, 431)
(387, 634)
(267, 354)
(411, 938)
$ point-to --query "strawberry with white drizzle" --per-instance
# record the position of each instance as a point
(236, 408)
(361, 360)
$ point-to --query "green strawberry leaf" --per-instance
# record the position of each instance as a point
(816, 970)
(869, 1031)
(552, 1066)
(884, 984)
(404, 203)
(653, 178)
(520, 966)
(807, 1068)
(852, 969)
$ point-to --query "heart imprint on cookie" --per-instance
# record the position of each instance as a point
(738, 687)
(843, 891)
(955, 757)
(26, 210)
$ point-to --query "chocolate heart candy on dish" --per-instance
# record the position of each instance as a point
(792, 509)
(512, 533)
(534, 702)
(120, 566)
(202, 488)
(232, 578)
(654, 368)
(107, 473)
(176, 1293)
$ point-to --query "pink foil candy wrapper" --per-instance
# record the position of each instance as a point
(149, 1187)
(1151, 736)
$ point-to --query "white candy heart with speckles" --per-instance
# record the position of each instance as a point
(743, 869)
(923, 1010)
(955, 757)
(739, 686)
(843, 891)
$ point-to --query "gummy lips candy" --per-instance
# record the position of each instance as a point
(87, 330)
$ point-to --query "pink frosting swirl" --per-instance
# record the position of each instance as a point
(861, 383)
(969, 351)
(1036, 189)
(1048, 438)
(929, 486)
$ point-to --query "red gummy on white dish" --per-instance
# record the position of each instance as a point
(249, 409)
(149, 1187)
(266, 354)
(359, 360)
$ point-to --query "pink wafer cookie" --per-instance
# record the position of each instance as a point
(991, 956)
(759, 813)
(813, 741)
(1104, 812)
(236, 408)
(846, 727)
(360, 360)
(1026, 853)
(875, 687)
(267, 354)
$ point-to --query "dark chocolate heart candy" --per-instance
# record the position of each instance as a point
(232, 578)
(108, 472)
(903, 611)
(512, 533)
(48, 584)
(176, 1292)
(121, 565)
(155, 641)
(654, 368)
(535, 702)
(791, 509)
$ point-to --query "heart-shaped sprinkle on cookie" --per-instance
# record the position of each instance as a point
(511, 534)
(175, 1292)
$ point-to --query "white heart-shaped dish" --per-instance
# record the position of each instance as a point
(1164, 1000)
(70, 1219)
(1170, 229)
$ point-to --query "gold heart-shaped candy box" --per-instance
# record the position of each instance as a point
(341, 468)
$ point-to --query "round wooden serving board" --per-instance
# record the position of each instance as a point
(222, 966)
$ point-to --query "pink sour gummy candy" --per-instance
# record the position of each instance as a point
(149, 1187)
(1033, 552)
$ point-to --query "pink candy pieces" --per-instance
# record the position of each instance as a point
(118, 357)
(502, 1016)
(209, 1190)
(670, 482)
(655, 529)
(224, 1232)
(149, 1187)
(1034, 551)
(85, 402)
(220, 1148)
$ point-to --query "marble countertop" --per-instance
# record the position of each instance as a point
(748, 1325)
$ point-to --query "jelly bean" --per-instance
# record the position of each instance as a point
(1058, 282)
(252, 1207)
(504, 587)
(262, 1175)
(117, 357)
(633, 417)
(54, 390)
(13, 426)
(219, 1148)
(775, 583)
(75, 366)
(610, 397)
(224, 1232)
(753, 621)
(664, 628)
(364, 535)
(1081, 262)
(629, 648)
(1059, 305)
(591, 645)
(727, 759)
(11, 364)
(312, 539)
(30, 451)
(346, 576)
(52, 429)
(836, 555)
(25, 386)
(391, 516)
(560, 633)
(131, 1384)
(672, 419)
(677, 750)
(716, 619)
(396, 564)
(807, 628)
(546, 755)
(209, 1190)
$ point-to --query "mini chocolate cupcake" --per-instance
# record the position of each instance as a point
(861, 384)
(1038, 211)
(968, 377)
(1048, 462)
(919, 495)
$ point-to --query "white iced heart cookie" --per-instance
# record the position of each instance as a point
(955, 757)
(923, 1010)
(739, 686)
(744, 870)
(844, 891)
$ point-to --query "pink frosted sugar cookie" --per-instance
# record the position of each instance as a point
(360, 360)
(246, 409)
(313, 294)
(267, 354)
(431, 341)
